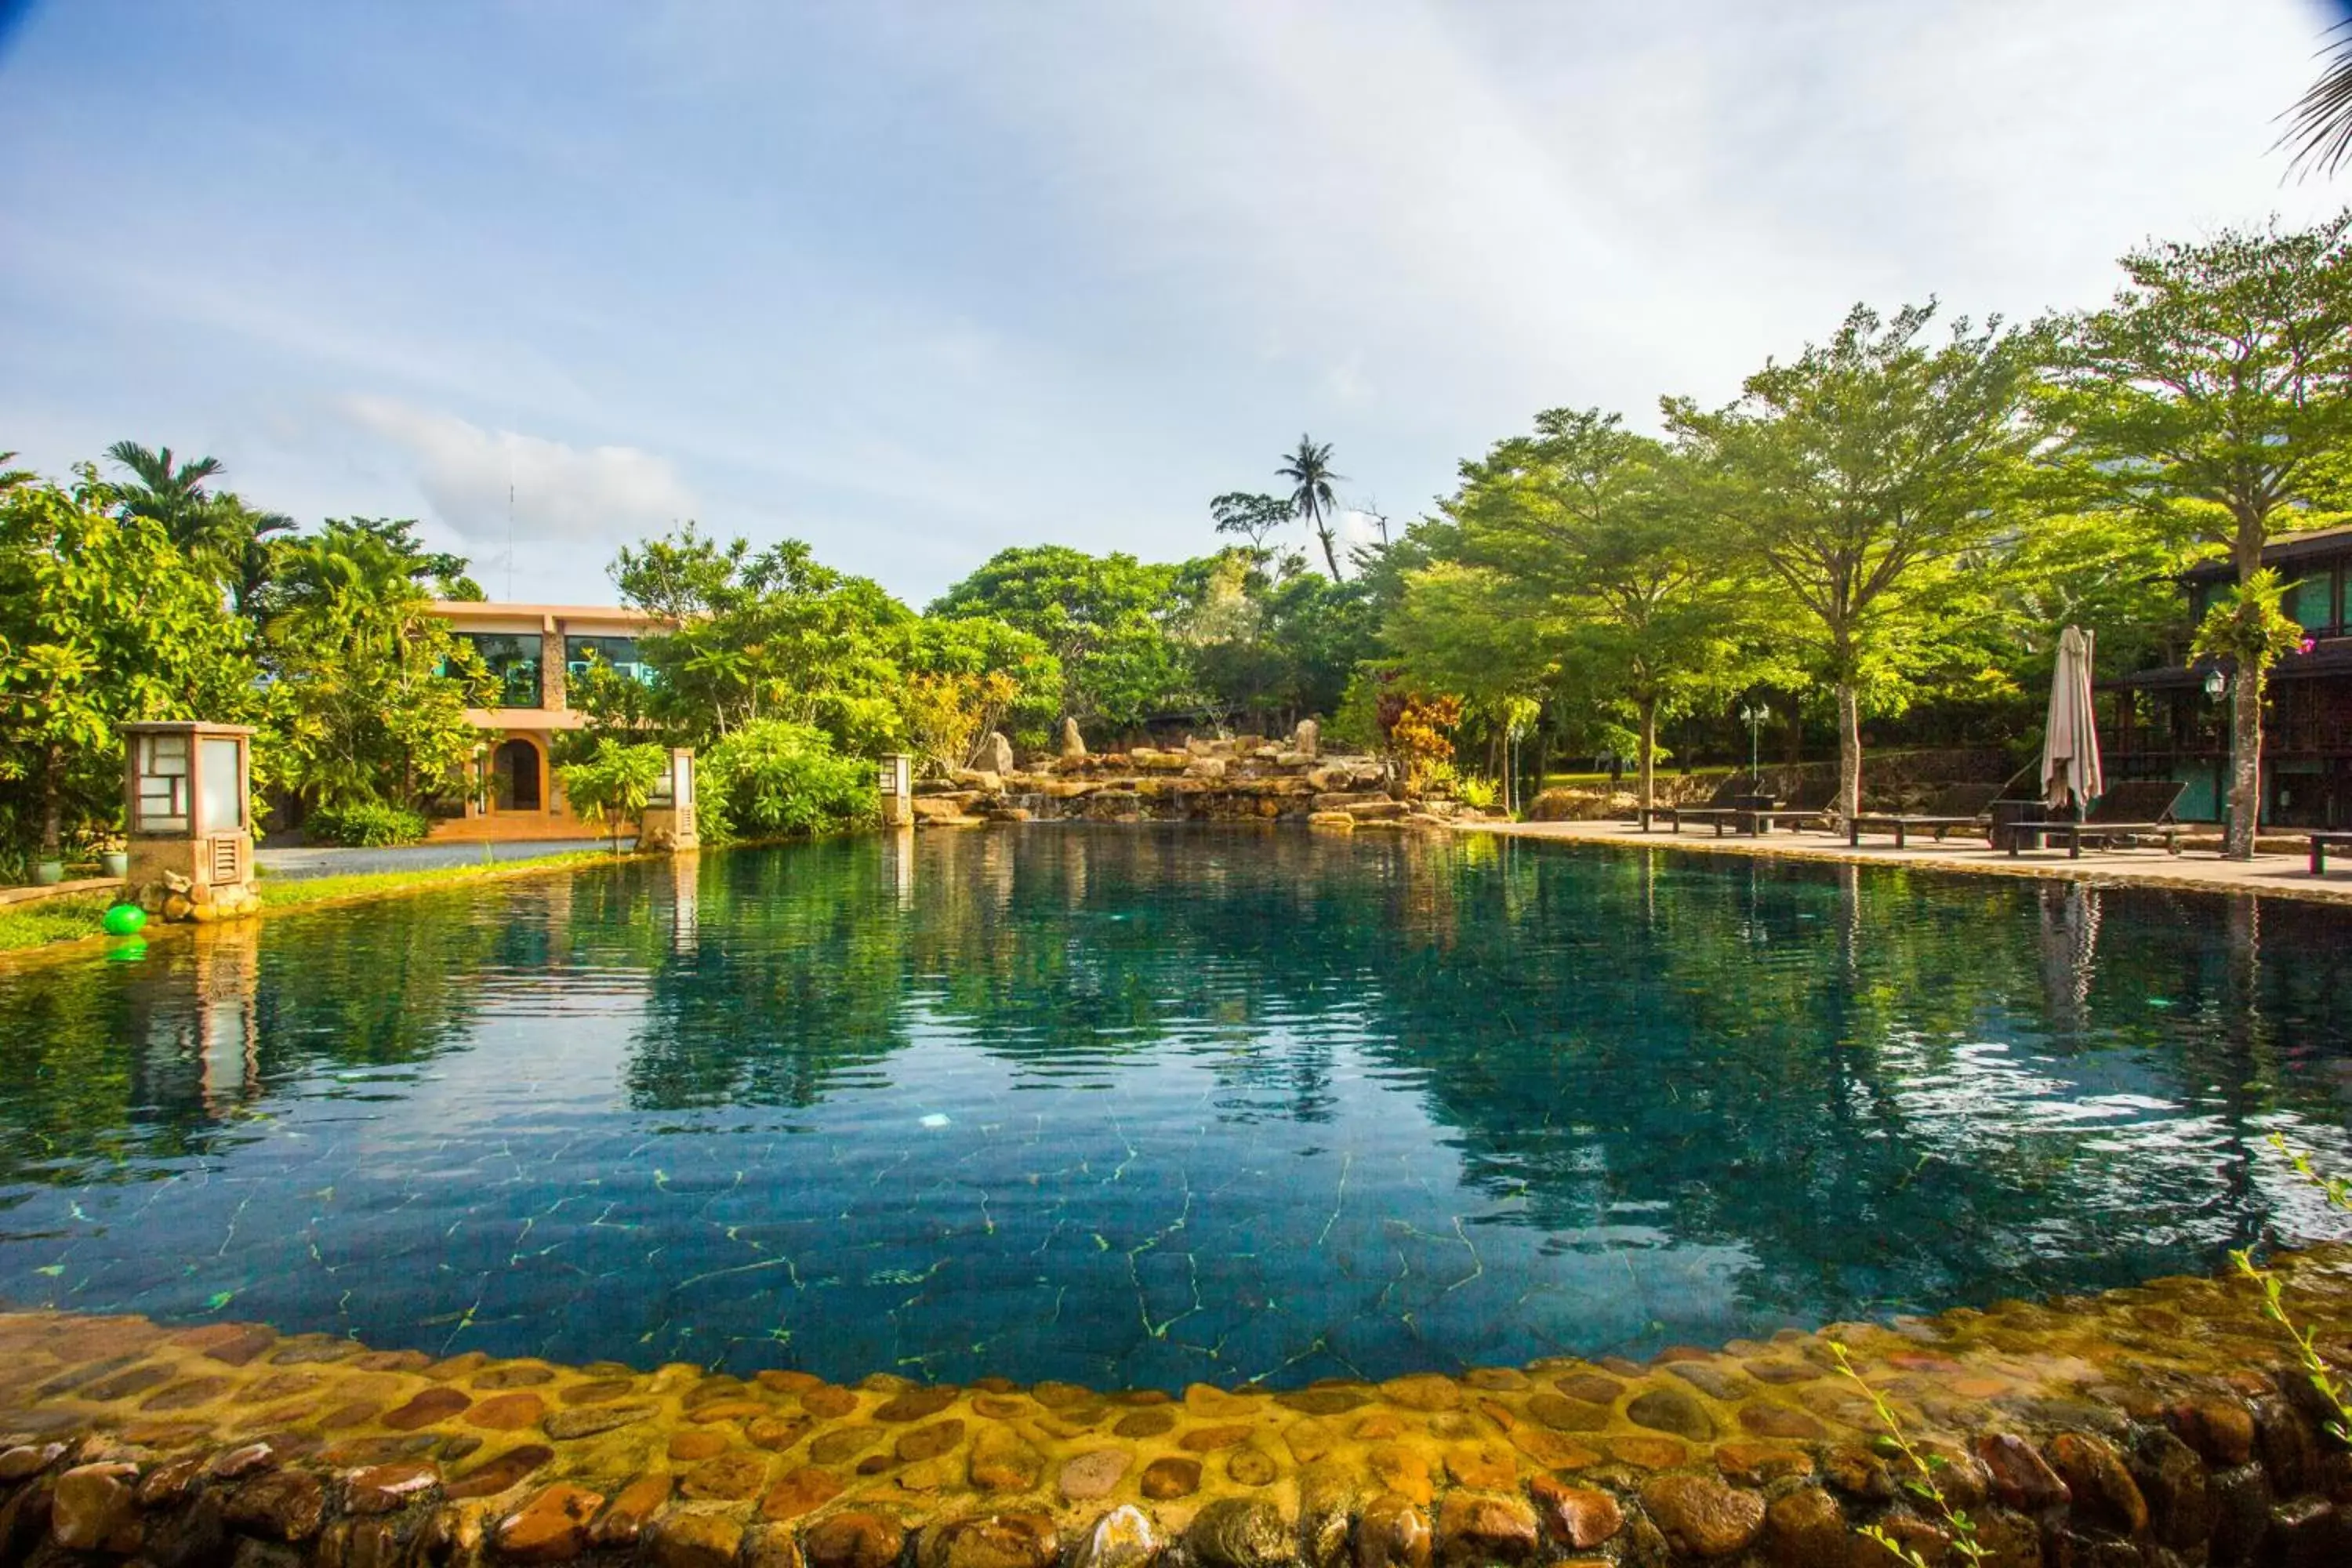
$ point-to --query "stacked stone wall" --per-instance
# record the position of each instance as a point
(2166, 1425)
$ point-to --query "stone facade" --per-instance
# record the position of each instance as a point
(2165, 1426)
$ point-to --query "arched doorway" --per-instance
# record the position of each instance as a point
(517, 770)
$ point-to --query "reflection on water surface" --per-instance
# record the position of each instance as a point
(1147, 1106)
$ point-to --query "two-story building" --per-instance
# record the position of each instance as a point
(2170, 722)
(533, 650)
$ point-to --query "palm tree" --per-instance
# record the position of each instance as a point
(173, 496)
(1309, 469)
(220, 534)
(2319, 126)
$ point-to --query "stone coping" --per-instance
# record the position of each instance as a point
(2267, 876)
(2163, 1425)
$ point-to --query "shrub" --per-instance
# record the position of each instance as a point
(1477, 792)
(772, 779)
(367, 825)
(614, 784)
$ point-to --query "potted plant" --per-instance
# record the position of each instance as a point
(114, 857)
(48, 872)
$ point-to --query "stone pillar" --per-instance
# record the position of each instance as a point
(669, 819)
(1073, 745)
(894, 782)
(550, 665)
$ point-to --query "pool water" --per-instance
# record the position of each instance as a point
(1143, 1106)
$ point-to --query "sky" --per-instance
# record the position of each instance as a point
(919, 282)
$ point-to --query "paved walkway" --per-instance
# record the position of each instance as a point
(2272, 876)
(292, 865)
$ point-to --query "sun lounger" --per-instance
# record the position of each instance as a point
(2136, 808)
(1960, 807)
(1732, 799)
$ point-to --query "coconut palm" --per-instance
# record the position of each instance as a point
(1309, 469)
(222, 535)
(2319, 126)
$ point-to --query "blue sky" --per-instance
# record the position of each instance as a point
(917, 282)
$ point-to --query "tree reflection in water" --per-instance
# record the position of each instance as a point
(1151, 1105)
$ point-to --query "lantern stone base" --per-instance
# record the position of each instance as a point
(199, 881)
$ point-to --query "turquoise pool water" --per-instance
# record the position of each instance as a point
(1146, 1106)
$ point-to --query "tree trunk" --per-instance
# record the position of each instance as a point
(1649, 752)
(2245, 719)
(1330, 555)
(53, 768)
(1849, 704)
(2245, 764)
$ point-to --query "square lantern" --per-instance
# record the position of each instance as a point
(668, 821)
(185, 788)
(894, 781)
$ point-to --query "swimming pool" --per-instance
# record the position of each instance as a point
(1140, 1107)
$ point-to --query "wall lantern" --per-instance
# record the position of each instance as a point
(185, 785)
(2216, 683)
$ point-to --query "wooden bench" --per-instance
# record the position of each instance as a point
(2321, 843)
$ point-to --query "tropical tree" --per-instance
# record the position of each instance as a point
(2214, 396)
(1103, 618)
(1309, 469)
(370, 687)
(1253, 516)
(102, 621)
(220, 534)
(614, 784)
(1584, 533)
(1860, 479)
(2319, 125)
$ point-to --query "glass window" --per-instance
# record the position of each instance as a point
(160, 772)
(220, 804)
(513, 660)
(620, 653)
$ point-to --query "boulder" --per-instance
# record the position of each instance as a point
(1073, 745)
(1307, 739)
(995, 754)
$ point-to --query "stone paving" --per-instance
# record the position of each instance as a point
(2164, 1426)
(2270, 875)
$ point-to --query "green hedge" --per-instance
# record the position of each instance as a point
(371, 825)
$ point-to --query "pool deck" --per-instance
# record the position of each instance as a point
(2163, 1425)
(2272, 876)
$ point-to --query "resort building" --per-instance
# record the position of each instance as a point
(534, 651)
(2173, 722)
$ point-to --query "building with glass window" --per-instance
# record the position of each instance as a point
(2173, 721)
(535, 652)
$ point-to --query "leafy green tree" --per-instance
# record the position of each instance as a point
(1309, 469)
(1255, 518)
(1584, 534)
(102, 621)
(1860, 479)
(1103, 618)
(370, 687)
(614, 784)
(2214, 394)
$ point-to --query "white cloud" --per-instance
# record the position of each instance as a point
(561, 493)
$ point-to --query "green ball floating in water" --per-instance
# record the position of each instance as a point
(125, 919)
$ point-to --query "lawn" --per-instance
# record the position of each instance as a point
(75, 917)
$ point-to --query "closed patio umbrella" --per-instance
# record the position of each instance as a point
(2070, 741)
